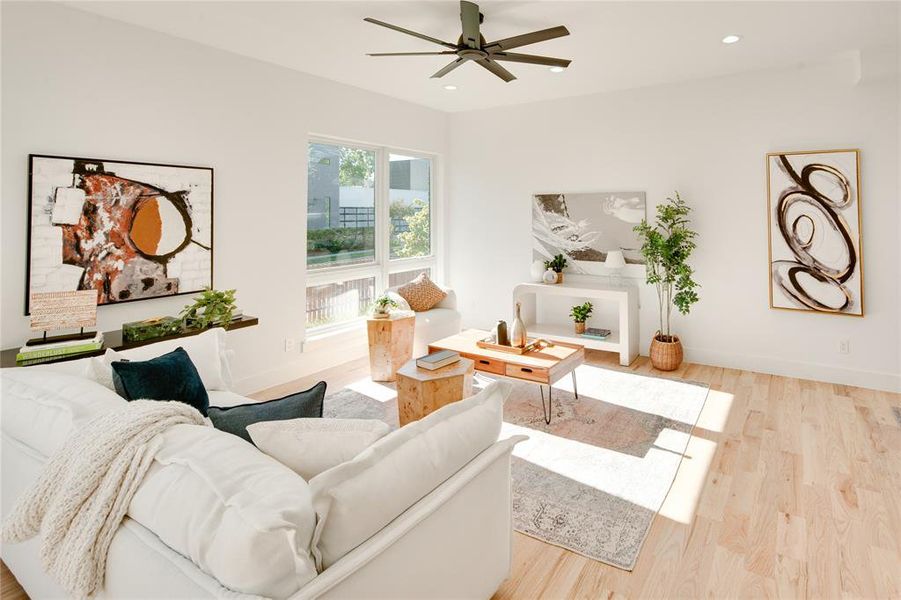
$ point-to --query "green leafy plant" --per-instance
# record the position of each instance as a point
(558, 263)
(383, 303)
(667, 247)
(210, 308)
(581, 312)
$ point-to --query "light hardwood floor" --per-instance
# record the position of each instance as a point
(790, 488)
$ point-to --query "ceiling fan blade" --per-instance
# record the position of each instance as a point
(421, 36)
(469, 17)
(444, 71)
(528, 38)
(497, 69)
(411, 53)
(530, 59)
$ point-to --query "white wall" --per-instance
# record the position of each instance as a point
(76, 84)
(708, 140)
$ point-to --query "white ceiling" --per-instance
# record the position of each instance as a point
(613, 45)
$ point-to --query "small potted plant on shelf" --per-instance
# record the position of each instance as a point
(666, 247)
(211, 308)
(556, 264)
(381, 308)
(580, 314)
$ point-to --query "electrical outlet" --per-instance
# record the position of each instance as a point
(290, 344)
(844, 347)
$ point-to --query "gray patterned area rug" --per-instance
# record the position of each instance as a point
(594, 479)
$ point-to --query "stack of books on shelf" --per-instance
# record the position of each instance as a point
(436, 360)
(595, 333)
(43, 353)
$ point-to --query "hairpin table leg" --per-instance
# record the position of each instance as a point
(547, 411)
(575, 389)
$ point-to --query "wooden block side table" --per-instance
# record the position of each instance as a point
(421, 391)
(390, 345)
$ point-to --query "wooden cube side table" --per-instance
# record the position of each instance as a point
(421, 391)
(390, 345)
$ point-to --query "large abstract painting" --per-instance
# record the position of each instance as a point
(586, 226)
(130, 231)
(814, 227)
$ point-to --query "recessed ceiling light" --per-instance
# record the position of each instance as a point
(556, 69)
(450, 87)
(731, 38)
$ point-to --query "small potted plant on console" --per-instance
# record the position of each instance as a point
(580, 314)
(556, 264)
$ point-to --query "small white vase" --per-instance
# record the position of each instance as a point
(550, 276)
(537, 271)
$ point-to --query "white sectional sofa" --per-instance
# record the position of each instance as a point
(216, 518)
(443, 320)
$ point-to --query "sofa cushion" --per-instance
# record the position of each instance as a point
(421, 294)
(311, 446)
(41, 408)
(239, 515)
(171, 376)
(356, 499)
(235, 419)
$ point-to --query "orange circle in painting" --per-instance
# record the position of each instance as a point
(158, 227)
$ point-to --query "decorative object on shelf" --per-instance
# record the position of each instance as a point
(537, 271)
(583, 226)
(615, 262)
(580, 314)
(814, 223)
(52, 352)
(667, 247)
(381, 308)
(53, 311)
(550, 276)
(500, 333)
(518, 336)
(210, 308)
(124, 226)
(595, 333)
(149, 329)
(557, 264)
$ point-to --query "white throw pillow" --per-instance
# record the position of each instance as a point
(311, 446)
(206, 350)
(239, 515)
(41, 408)
(356, 499)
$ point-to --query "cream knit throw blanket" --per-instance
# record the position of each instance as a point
(85, 489)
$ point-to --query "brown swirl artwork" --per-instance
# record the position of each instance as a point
(814, 224)
(130, 231)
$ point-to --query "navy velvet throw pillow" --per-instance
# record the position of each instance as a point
(171, 376)
(235, 419)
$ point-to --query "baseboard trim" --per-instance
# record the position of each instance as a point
(877, 380)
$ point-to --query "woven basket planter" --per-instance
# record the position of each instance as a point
(666, 356)
(580, 327)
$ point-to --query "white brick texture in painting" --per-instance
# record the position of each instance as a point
(129, 230)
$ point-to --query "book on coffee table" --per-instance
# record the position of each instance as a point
(436, 360)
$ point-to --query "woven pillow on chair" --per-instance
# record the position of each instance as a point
(421, 293)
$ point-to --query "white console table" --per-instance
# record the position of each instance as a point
(623, 339)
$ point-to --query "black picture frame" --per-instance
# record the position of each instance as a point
(30, 224)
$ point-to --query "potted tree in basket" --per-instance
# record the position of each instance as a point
(666, 247)
(556, 264)
(580, 314)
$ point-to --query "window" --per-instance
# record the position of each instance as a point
(370, 226)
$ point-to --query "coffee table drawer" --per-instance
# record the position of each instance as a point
(530, 373)
(488, 365)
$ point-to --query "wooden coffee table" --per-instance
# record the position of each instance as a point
(542, 367)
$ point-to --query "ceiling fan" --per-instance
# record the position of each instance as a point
(472, 45)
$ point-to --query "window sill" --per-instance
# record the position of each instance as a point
(329, 334)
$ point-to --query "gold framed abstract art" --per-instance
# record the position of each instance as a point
(814, 225)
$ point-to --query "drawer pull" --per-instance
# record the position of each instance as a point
(484, 362)
(526, 370)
